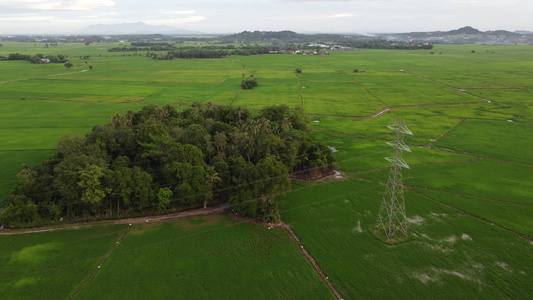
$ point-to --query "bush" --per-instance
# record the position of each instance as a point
(249, 83)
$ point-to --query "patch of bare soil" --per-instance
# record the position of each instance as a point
(314, 174)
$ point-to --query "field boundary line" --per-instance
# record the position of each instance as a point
(312, 261)
(467, 196)
(411, 187)
(364, 87)
(376, 114)
(300, 90)
(90, 277)
(68, 112)
(445, 133)
(447, 85)
(53, 75)
(235, 98)
(508, 162)
(414, 165)
(389, 108)
(520, 234)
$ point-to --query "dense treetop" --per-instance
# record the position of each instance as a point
(162, 160)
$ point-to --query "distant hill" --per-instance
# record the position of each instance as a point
(283, 36)
(133, 28)
(463, 35)
(463, 30)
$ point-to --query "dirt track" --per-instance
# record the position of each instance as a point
(140, 220)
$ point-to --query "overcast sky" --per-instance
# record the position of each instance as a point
(229, 16)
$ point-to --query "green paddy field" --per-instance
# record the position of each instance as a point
(469, 192)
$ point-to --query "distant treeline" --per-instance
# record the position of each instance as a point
(210, 52)
(190, 53)
(147, 47)
(38, 58)
(386, 44)
(219, 51)
(162, 160)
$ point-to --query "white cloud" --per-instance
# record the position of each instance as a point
(179, 12)
(76, 5)
(341, 16)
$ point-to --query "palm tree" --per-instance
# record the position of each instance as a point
(212, 177)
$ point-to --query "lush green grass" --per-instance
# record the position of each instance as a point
(451, 255)
(488, 179)
(501, 140)
(210, 257)
(514, 216)
(51, 265)
(456, 253)
(33, 125)
(360, 154)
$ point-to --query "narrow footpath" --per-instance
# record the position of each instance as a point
(313, 262)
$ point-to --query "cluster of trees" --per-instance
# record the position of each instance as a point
(198, 53)
(151, 44)
(210, 51)
(249, 83)
(159, 160)
(37, 58)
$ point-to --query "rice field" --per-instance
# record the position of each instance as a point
(468, 192)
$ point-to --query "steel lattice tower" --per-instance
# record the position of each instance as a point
(392, 218)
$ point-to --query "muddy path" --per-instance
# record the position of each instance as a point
(217, 209)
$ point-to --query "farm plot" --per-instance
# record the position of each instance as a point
(88, 91)
(23, 70)
(399, 88)
(34, 125)
(451, 255)
(471, 80)
(275, 87)
(513, 216)
(500, 140)
(463, 183)
(209, 257)
(427, 124)
(51, 265)
(357, 154)
(514, 104)
(335, 93)
(480, 178)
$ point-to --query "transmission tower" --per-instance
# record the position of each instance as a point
(392, 219)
